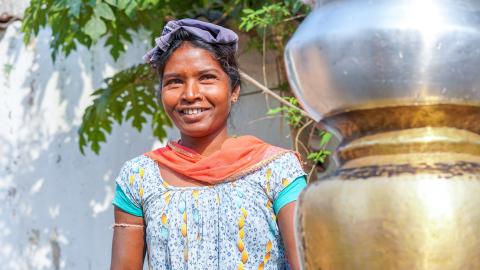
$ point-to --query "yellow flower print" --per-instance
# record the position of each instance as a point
(244, 212)
(267, 177)
(241, 233)
(269, 245)
(167, 197)
(240, 245)
(195, 194)
(267, 255)
(164, 219)
(165, 184)
(285, 182)
(244, 256)
(241, 222)
(269, 204)
(184, 230)
(132, 177)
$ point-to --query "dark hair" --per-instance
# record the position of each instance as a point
(223, 53)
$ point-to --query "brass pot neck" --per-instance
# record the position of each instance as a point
(401, 130)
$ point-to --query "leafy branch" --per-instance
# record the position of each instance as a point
(128, 95)
(270, 14)
(297, 120)
(84, 22)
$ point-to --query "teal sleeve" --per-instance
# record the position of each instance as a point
(121, 201)
(289, 193)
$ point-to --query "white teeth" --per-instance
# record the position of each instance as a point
(192, 111)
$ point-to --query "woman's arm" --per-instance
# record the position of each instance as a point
(286, 221)
(128, 246)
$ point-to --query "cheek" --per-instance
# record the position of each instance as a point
(169, 100)
(221, 97)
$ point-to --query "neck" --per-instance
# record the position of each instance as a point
(205, 145)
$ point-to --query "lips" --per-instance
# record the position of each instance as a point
(192, 115)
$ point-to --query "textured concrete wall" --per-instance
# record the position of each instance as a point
(55, 203)
(13, 8)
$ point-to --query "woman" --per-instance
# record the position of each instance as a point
(208, 201)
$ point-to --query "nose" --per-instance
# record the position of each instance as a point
(192, 92)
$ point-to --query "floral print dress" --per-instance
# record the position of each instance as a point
(231, 225)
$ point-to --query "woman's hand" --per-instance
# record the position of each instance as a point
(286, 221)
(128, 246)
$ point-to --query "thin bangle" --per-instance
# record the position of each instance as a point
(125, 225)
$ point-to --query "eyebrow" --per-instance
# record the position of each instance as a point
(208, 70)
(176, 75)
(171, 75)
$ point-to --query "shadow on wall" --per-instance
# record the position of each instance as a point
(56, 204)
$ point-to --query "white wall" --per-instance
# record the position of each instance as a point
(55, 203)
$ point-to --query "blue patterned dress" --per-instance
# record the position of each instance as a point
(231, 225)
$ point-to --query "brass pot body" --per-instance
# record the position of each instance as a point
(406, 195)
(393, 219)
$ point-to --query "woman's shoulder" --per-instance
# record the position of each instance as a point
(140, 164)
(285, 158)
(282, 164)
(288, 156)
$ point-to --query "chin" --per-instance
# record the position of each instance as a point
(196, 132)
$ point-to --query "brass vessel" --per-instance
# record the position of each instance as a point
(399, 83)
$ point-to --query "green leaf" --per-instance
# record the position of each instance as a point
(112, 2)
(274, 111)
(95, 27)
(116, 48)
(319, 156)
(249, 26)
(74, 7)
(130, 9)
(122, 4)
(325, 139)
(296, 6)
(103, 10)
(128, 95)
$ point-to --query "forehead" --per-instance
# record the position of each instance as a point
(188, 58)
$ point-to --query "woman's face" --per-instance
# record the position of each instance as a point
(196, 91)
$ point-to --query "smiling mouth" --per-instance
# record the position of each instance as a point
(192, 111)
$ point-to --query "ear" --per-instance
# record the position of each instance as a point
(235, 94)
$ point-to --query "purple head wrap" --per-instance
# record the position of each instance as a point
(208, 32)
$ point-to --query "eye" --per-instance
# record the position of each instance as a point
(208, 78)
(172, 82)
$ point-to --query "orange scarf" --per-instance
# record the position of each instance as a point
(237, 157)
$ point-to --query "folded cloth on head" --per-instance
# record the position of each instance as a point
(208, 32)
